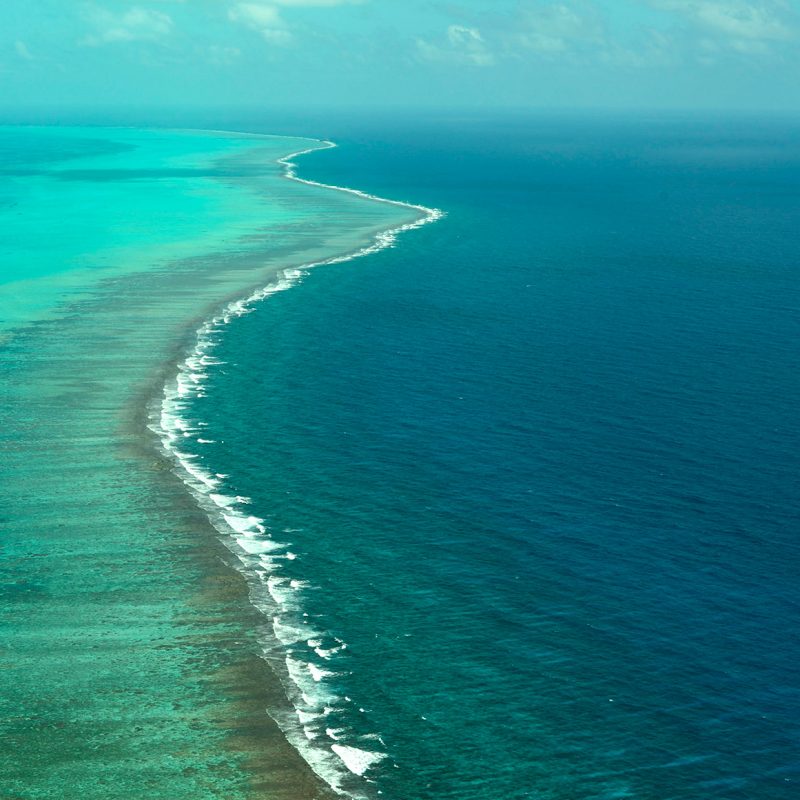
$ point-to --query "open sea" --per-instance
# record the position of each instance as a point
(521, 490)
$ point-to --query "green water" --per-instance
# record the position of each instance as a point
(129, 659)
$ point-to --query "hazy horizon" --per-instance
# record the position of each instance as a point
(575, 55)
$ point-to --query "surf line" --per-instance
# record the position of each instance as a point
(431, 214)
(315, 727)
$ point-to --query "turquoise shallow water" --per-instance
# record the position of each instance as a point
(129, 654)
(536, 467)
(79, 207)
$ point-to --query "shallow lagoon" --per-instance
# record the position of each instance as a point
(129, 659)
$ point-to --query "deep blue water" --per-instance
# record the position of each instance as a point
(539, 462)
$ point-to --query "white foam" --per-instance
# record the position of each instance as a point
(314, 694)
(296, 670)
(383, 239)
(321, 760)
(289, 634)
(199, 474)
(356, 760)
(318, 674)
(222, 500)
(269, 562)
(328, 653)
(242, 524)
(277, 587)
(305, 716)
(256, 552)
(257, 546)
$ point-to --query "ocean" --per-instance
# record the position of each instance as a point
(515, 497)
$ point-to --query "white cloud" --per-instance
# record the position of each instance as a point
(255, 14)
(23, 52)
(220, 55)
(740, 25)
(652, 48)
(264, 19)
(462, 45)
(742, 22)
(317, 3)
(557, 28)
(135, 24)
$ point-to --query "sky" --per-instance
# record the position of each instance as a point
(539, 54)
